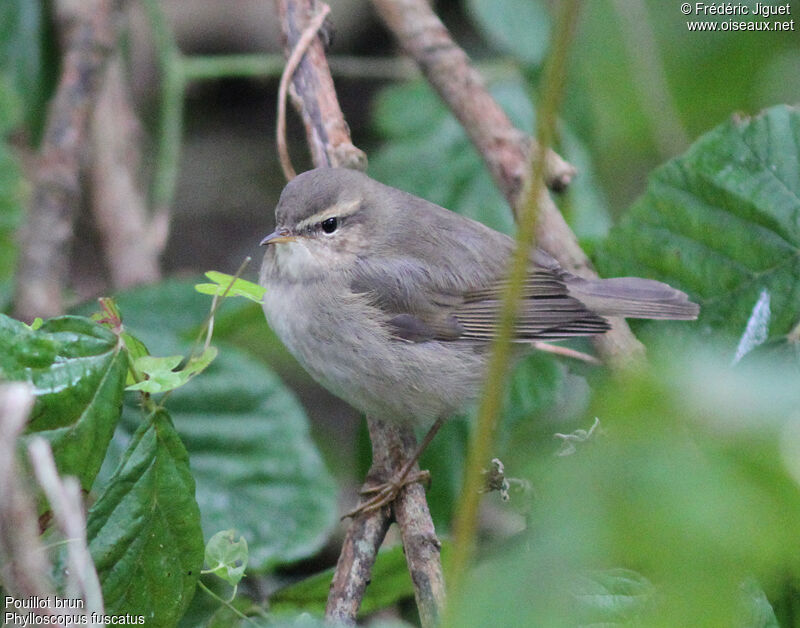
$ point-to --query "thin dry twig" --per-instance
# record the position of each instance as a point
(23, 563)
(43, 264)
(313, 93)
(288, 72)
(64, 497)
(565, 352)
(504, 148)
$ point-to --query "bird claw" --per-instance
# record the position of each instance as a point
(385, 493)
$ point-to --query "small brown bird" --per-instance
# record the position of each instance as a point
(390, 301)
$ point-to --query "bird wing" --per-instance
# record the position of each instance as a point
(446, 282)
(417, 308)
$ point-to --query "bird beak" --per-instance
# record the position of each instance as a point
(277, 236)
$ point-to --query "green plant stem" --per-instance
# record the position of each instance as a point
(173, 85)
(227, 604)
(205, 67)
(482, 441)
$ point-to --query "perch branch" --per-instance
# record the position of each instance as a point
(43, 263)
(422, 547)
(328, 136)
(504, 148)
(354, 567)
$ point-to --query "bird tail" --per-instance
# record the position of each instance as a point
(632, 297)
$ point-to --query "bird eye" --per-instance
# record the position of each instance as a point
(329, 225)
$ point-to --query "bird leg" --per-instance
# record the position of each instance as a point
(386, 492)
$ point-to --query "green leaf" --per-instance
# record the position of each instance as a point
(390, 583)
(721, 222)
(136, 350)
(144, 530)
(161, 374)
(255, 464)
(757, 612)
(613, 596)
(256, 467)
(226, 556)
(77, 371)
(518, 27)
(229, 286)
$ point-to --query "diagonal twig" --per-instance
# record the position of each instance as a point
(504, 148)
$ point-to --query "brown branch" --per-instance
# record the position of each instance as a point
(422, 547)
(313, 94)
(503, 147)
(43, 264)
(132, 240)
(314, 97)
(297, 54)
(354, 567)
(391, 444)
(365, 534)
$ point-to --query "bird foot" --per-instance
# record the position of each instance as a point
(386, 492)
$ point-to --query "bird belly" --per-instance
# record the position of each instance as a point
(355, 357)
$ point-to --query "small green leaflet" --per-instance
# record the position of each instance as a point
(161, 374)
(230, 286)
(227, 556)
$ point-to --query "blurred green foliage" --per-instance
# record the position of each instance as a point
(709, 77)
(694, 484)
(682, 508)
(518, 27)
(27, 63)
(13, 190)
(428, 154)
